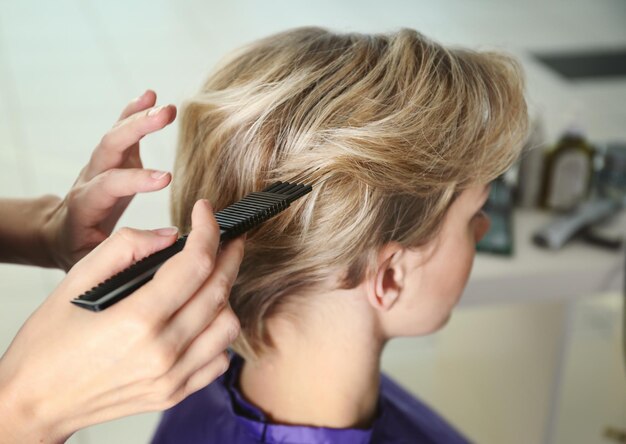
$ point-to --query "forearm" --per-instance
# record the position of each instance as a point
(21, 236)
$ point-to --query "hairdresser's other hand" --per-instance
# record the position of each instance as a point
(69, 368)
(107, 184)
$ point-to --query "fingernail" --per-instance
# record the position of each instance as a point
(140, 97)
(156, 175)
(207, 204)
(169, 231)
(157, 110)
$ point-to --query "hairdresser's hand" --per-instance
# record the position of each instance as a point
(69, 368)
(106, 185)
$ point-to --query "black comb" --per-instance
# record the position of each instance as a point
(233, 221)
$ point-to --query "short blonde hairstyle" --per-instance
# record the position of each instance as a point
(387, 128)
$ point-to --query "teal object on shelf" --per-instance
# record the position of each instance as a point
(499, 208)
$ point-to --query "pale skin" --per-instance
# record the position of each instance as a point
(52, 232)
(69, 368)
(325, 371)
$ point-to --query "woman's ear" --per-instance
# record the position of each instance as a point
(386, 281)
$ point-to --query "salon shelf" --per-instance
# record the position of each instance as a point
(535, 273)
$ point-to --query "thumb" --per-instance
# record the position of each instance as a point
(123, 248)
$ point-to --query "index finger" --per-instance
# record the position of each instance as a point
(144, 101)
(185, 273)
(111, 151)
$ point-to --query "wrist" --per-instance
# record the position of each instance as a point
(23, 420)
(49, 231)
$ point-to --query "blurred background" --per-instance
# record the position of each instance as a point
(534, 352)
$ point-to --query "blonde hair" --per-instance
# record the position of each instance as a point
(387, 128)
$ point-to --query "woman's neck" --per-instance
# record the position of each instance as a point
(325, 372)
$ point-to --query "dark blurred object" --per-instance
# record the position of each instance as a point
(588, 64)
(597, 235)
(615, 435)
(530, 174)
(499, 207)
(611, 181)
(568, 172)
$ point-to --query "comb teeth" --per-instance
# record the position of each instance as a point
(233, 221)
(257, 207)
(249, 212)
(273, 186)
(291, 191)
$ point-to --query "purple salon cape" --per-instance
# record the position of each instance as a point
(218, 414)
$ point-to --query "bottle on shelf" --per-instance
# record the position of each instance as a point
(568, 172)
